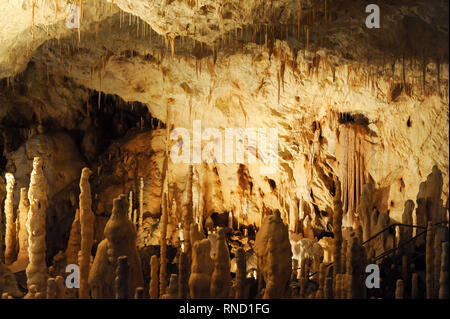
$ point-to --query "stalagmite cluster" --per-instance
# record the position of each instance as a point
(120, 240)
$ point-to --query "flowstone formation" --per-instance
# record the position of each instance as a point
(223, 149)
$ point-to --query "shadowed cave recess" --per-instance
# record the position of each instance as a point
(92, 118)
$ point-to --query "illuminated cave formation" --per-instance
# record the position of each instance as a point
(115, 164)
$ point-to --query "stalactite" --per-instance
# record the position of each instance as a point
(10, 227)
(87, 231)
(443, 281)
(33, 7)
(37, 195)
(121, 279)
(154, 279)
(429, 261)
(221, 279)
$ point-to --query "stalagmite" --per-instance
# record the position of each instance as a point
(141, 202)
(221, 279)
(139, 293)
(443, 281)
(406, 232)
(37, 195)
(429, 261)
(437, 263)
(163, 246)
(121, 279)
(415, 286)
(201, 269)
(87, 231)
(51, 288)
(74, 243)
(172, 289)
(273, 249)
(337, 225)
(187, 215)
(22, 233)
(399, 290)
(120, 240)
(10, 227)
(130, 207)
(154, 278)
(241, 274)
(183, 276)
(60, 287)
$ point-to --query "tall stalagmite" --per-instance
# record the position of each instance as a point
(154, 278)
(273, 249)
(430, 261)
(87, 231)
(74, 243)
(37, 195)
(22, 232)
(337, 226)
(10, 227)
(163, 246)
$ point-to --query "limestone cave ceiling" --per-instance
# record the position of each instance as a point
(363, 105)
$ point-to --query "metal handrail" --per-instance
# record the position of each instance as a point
(387, 252)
